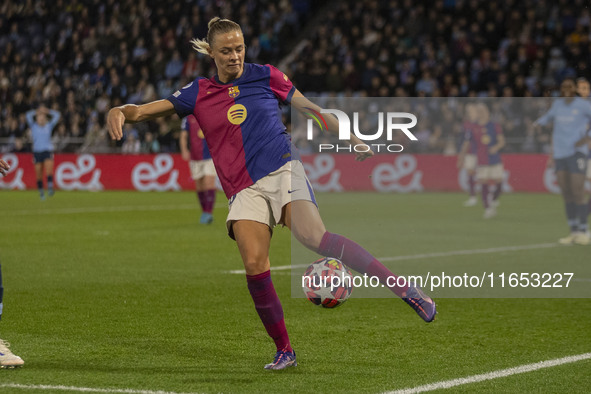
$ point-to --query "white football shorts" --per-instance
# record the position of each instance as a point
(487, 173)
(264, 201)
(469, 162)
(201, 168)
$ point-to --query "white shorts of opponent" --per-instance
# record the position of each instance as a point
(201, 168)
(264, 201)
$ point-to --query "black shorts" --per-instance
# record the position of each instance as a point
(40, 157)
(575, 164)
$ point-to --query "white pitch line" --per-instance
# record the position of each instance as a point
(430, 255)
(128, 208)
(446, 384)
(80, 389)
(469, 252)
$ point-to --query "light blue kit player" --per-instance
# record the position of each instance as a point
(41, 129)
(570, 116)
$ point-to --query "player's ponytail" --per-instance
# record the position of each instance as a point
(215, 26)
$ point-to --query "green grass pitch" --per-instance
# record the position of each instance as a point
(125, 290)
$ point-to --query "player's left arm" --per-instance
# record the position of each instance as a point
(302, 104)
(500, 143)
(4, 167)
(586, 138)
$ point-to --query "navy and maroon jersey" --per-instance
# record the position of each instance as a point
(484, 137)
(467, 128)
(197, 145)
(241, 122)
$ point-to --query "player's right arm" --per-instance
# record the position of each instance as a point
(131, 113)
(550, 161)
(4, 167)
(30, 115)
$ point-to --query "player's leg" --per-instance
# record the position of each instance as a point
(311, 232)
(498, 173)
(563, 181)
(209, 190)
(577, 184)
(490, 210)
(39, 177)
(196, 175)
(589, 180)
(201, 198)
(48, 167)
(470, 167)
(7, 358)
(484, 179)
(253, 240)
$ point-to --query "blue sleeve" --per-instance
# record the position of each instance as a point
(544, 119)
(184, 99)
(31, 117)
(55, 117)
(587, 109)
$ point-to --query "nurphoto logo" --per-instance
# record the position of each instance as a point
(392, 124)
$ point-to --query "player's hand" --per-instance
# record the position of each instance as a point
(493, 151)
(360, 156)
(4, 167)
(115, 121)
(185, 155)
(582, 141)
(550, 162)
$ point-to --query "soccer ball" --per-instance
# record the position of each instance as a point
(327, 282)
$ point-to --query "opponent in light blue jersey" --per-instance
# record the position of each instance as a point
(584, 90)
(571, 116)
(41, 129)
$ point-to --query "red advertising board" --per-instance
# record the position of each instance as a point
(399, 173)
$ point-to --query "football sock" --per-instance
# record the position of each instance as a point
(1, 291)
(210, 200)
(582, 215)
(201, 198)
(472, 184)
(485, 195)
(49, 182)
(498, 190)
(269, 308)
(358, 259)
(571, 216)
(40, 186)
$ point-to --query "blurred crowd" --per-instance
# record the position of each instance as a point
(82, 57)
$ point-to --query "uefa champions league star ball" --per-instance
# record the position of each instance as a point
(327, 282)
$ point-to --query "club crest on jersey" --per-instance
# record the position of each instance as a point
(233, 91)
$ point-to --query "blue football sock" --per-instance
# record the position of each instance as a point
(571, 216)
(582, 215)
